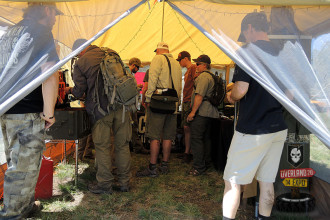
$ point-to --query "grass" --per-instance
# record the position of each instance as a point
(172, 196)
(320, 158)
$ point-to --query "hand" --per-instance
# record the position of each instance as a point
(228, 96)
(140, 86)
(144, 104)
(67, 90)
(190, 117)
(49, 121)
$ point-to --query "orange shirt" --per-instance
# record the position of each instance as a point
(189, 78)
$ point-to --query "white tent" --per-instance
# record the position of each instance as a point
(134, 27)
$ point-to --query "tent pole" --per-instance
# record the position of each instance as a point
(163, 20)
(227, 73)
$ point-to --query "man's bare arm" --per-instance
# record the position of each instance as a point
(239, 90)
(197, 102)
(49, 94)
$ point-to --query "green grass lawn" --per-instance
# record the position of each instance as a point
(172, 196)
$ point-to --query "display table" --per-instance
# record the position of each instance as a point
(71, 124)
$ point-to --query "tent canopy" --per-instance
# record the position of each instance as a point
(133, 28)
(138, 34)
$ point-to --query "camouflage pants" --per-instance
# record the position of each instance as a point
(24, 143)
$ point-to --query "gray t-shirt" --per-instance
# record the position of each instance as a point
(204, 85)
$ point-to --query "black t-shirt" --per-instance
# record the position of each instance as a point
(259, 112)
(30, 41)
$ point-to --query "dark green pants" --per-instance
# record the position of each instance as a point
(200, 142)
(102, 140)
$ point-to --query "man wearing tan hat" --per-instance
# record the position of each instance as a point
(161, 126)
(32, 44)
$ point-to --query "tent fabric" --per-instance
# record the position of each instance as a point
(271, 2)
(133, 28)
(138, 34)
(12, 12)
(290, 69)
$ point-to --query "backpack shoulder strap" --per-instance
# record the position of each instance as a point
(110, 51)
(207, 98)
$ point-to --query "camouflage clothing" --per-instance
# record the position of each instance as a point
(23, 142)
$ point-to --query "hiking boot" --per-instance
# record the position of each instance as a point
(195, 172)
(147, 172)
(124, 188)
(36, 208)
(163, 169)
(187, 158)
(96, 189)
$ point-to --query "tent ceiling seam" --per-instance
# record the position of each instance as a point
(138, 31)
(202, 52)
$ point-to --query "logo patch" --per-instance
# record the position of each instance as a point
(295, 154)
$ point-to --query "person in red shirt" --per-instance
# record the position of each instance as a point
(184, 59)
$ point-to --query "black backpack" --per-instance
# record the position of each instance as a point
(219, 91)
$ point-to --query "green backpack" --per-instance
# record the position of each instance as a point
(120, 86)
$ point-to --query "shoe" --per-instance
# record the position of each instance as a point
(187, 158)
(142, 151)
(124, 188)
(96, 189)
(163, 169)
(147, 172)
(89, 157)
(36, 207)
(194, 172)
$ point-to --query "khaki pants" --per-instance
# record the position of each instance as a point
(101, 137)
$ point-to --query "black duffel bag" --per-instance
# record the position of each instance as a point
(164, 102)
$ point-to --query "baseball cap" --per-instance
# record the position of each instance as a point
(50, 4)
(162, 45)
(256, 19)
(203, 59)
(78, 43)
(135, 61)
(182, 55)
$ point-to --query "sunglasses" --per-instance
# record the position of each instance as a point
(137, 66)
